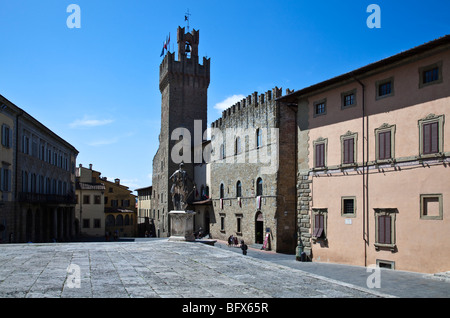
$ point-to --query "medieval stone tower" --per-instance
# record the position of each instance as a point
(184, 86)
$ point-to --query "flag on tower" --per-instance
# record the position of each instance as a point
(166, 45)
(162, 52)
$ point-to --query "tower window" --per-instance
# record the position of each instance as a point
(259, 187)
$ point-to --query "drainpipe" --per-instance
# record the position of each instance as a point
(365, 172)
(16, 170)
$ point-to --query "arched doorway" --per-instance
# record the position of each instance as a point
(259, 228)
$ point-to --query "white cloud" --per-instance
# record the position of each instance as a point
(89, 122)
(228, 102)
(103, 142)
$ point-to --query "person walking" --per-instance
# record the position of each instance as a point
(244, 247)
(230, 240)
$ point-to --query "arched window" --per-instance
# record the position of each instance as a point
(127, 219)
(259, 187)
(238, 189)
(119, 220)
(258, 137)
(221, 191)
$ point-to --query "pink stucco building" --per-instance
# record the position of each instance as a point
(373, 152)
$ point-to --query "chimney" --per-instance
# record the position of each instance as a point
(90, 166)
(117, 181)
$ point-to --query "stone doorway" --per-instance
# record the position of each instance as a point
(259, 228)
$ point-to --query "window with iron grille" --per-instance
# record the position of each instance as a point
(348, 206)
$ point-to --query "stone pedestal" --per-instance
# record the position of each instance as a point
(181, 226)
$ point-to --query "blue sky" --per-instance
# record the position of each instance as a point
(97, 86)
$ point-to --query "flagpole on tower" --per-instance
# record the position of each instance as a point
(186, 18)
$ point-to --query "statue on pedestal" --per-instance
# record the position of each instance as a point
(182, 221)
(179, 189)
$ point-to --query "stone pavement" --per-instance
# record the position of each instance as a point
(156, 268)
(153, 268)
(402, 284)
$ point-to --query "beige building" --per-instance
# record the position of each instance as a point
(373, 149)
(7, 124)
(120, 208)
(38, 180)
(90, 208)
(145, 212)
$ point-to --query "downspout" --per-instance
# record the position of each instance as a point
(16, 172)
(365, 172)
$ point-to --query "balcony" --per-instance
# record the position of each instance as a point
(46, 198)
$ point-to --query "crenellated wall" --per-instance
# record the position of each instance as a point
(272, 160)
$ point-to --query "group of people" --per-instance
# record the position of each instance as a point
(115, 235)
(234, 241)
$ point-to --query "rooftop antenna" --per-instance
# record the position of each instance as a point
(186, 18)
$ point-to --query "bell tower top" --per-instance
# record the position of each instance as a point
(186, 69)
(187, 44)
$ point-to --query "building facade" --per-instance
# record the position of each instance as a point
(373, 154)
(202, 202)
(120, 208)
(90, 208)
(38, 174)
(253, 179)
(184, 85)
(145, 213)
(7, 123)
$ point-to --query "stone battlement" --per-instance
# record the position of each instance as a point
(247, 105)
(185, 68)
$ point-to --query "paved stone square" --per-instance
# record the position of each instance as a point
(154, 268)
